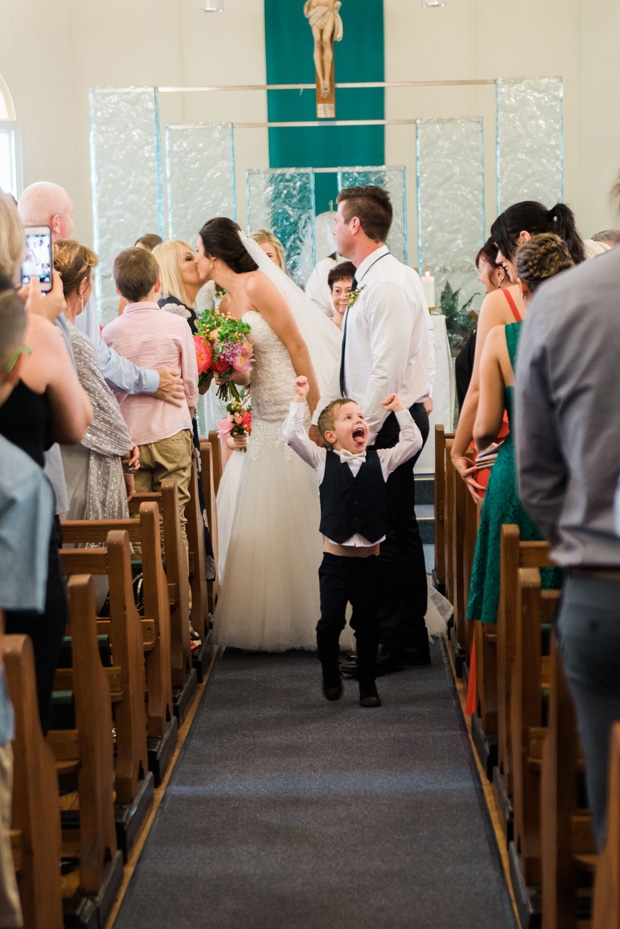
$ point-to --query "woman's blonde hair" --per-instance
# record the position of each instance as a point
(74, 263)
(168, 255)
(12, 238)
(262, 236)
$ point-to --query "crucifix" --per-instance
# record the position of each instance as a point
(326, 26)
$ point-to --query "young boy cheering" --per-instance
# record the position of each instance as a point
(353, 522)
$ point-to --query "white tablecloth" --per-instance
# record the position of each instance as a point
(443, 395)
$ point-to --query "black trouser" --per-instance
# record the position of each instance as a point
(403, 598)
(45, 629)
(356, 581)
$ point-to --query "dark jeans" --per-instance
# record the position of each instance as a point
(403, 598)
(45, 629)
(589, 636)
(355, 581)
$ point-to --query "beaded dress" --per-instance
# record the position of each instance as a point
(269, 599)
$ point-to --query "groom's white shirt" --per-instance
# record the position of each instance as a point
(387, 340)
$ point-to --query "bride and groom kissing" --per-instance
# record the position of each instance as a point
(270, 596)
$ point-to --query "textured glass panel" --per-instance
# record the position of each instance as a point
(201, 177)
(126, 177)
(530, 141)
(450, 176)
(392, 179)
(282, 200)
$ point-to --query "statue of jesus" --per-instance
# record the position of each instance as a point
(326, 26)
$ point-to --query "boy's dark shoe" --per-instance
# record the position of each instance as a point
(332, 682)
(369, 696)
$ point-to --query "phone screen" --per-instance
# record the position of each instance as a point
(38, 259)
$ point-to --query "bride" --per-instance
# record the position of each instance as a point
(269, 599)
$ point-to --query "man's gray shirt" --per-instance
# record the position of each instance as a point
(567, 424)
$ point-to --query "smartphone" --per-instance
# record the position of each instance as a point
(38, 260)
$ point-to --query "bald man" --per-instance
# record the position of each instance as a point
(48, 204)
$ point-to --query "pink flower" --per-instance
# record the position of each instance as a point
(224, 426)
(242, 363)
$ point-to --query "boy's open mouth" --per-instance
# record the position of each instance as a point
(359, 432)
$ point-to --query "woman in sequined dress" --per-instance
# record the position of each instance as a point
(270, 596)
(97, 484)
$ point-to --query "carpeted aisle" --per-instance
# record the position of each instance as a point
(288, 811)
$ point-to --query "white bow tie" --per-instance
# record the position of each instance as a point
(346, 455)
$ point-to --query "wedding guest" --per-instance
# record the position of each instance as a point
(26, 512)
(353, 524)
(610, 236)
(44, 203)
(510, 230)
(340, 281)
(385, 349)
(568, 465)
(97, 483)
(539, 259)
(180, 285)
(147, 335)
(271, 246)
(150, 241)
(592, 249)
(492, 275)
(46, 405)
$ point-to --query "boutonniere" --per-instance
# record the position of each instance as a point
(354, 294)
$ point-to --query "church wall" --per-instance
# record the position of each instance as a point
(51, 53)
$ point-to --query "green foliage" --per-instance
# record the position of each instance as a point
(460, 320)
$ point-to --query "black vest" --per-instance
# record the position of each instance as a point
(353, 504)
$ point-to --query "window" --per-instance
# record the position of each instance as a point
(10, 167)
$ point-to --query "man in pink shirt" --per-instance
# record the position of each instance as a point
(150, 337)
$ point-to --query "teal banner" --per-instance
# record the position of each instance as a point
(358, 57)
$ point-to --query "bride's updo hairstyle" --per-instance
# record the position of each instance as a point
(542, 257)
(220, 239)
(530, 216)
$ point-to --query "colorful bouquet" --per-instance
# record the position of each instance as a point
(222, 348)
(238, 421)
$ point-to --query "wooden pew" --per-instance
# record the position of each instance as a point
(176, 574)
(85, 755)
(197, 559)
(530, 681)
(156, 622)
(439, 578)
(35, 817)
(568, 846)
(207, 455)
(125, 631)
(514, 555)
(217, 459)
(607, 887)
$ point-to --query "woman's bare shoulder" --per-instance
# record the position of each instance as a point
(495, 307)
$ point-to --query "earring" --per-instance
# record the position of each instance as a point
(82, 301)
(500, 280)
(211, 264)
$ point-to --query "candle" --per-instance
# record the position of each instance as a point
(428, 286)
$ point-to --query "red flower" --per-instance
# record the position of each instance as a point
(204, 355)
(221, 366)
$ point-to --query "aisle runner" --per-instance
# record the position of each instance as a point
(287, 811)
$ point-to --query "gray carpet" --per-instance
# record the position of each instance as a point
(288, 811)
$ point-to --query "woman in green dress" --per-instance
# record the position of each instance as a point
(537, 260)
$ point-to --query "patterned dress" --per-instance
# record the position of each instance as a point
(501, 505)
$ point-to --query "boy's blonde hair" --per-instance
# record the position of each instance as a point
(167, 255)
(135, 273)
(327, 417)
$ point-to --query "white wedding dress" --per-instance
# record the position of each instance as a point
(269, 599)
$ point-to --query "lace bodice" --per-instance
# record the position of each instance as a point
(271, 384)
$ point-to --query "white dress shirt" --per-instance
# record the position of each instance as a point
(409, 443)
(387, 338)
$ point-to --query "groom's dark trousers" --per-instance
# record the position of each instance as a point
(403, 595)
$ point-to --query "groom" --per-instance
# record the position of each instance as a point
(385, 349)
